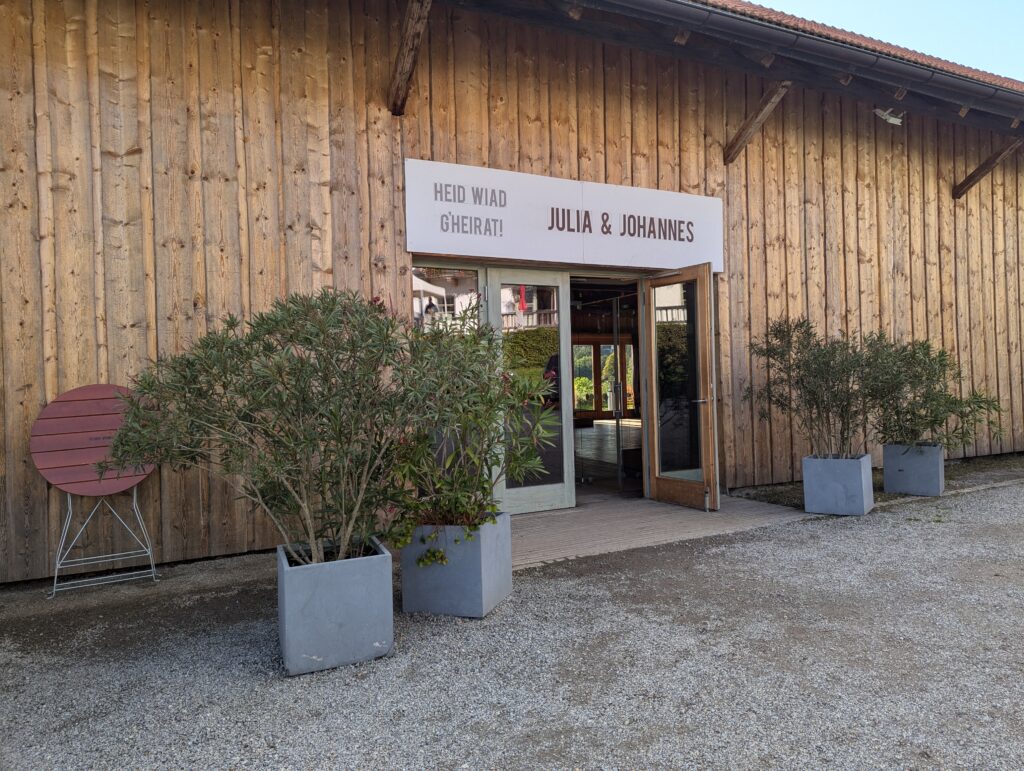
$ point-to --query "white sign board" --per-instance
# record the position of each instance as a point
(470, 211)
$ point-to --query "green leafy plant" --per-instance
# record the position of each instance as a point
(478, 423)
(914, 388)
(583, 389)
(818, 381)
(306, 410)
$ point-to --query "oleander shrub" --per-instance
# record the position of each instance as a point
(308, 409)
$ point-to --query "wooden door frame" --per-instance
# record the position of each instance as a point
(595, 341)
(703, 494)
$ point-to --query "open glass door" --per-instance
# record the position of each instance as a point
(679, 421)
(531, 308)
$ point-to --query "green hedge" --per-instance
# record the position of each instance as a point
(528, 349)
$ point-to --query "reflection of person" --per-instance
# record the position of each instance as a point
(551, 374)
(429, 313)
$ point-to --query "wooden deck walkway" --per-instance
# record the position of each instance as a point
(601, 524)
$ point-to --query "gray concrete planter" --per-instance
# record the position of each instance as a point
(838, 485)
(914, 469)
(334, 613)
(477, 577)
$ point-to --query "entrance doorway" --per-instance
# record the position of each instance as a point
(630, 366)
(607, 423)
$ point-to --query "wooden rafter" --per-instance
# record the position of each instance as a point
(985, 167)
(572, 10)
(762, 57)
(413, 26)
(755, 120)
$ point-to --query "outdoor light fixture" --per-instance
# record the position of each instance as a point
(889, 117)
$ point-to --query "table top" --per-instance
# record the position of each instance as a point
(73, 433)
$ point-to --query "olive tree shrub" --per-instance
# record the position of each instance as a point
(479, 422)
(307, 410)
(915, 392)
(818, 381)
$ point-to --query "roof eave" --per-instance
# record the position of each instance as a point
(824, 52)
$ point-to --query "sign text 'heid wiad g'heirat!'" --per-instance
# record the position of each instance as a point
(451, 209)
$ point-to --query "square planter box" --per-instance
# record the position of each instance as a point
(914, 470)
(838, 485)
(334, 613)
(477, 577)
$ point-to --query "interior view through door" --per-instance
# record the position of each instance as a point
(679, 409)
(607, 427)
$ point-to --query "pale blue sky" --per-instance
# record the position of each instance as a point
(986, 34)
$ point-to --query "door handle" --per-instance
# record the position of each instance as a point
(699, 401)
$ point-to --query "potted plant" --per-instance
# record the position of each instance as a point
(917, 415)
(304, 409)
(819, 382)
(479, 423)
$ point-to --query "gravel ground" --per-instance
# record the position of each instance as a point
(890, 640)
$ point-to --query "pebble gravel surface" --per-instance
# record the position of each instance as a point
(892, 640)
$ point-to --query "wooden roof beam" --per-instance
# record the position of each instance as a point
(413, 26)
(986, 166)
(757, 55)
(755, 120)
(572, 10)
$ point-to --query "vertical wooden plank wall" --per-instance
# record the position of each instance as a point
(23, 523)
(163, 163)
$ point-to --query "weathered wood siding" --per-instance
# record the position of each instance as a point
(164, 162)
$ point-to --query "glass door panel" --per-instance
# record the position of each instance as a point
(680, 409)
(439, 292)
(677, 385)
(531, 310)
(529, 325)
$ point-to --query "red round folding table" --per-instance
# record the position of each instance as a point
(72, 434)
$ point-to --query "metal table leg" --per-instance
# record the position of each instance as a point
(64, 549)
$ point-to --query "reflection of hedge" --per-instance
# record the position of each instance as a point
(530, 348)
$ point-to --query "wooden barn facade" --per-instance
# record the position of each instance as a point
(166, 162)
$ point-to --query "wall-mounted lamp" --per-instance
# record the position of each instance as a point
(889, 116)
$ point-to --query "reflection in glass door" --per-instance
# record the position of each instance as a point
(680, 410)
(677, 385)
(531, 310)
